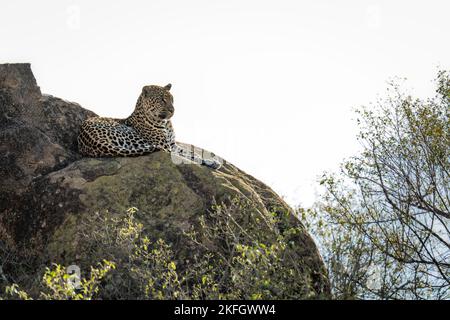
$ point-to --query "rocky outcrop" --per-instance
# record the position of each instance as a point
(48, 188)
(36, 131)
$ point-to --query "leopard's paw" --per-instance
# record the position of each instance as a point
(211, 163)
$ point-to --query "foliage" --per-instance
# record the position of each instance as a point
(59, 285)
(251, 255)
(237, 252)
(383, 221)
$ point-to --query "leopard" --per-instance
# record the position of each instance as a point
(148, 129)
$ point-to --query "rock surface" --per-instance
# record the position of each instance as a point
(47, 187)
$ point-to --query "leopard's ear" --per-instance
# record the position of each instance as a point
(167, 87)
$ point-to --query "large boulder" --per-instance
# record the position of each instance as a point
(48, 189)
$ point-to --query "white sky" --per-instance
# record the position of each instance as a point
(268, 85)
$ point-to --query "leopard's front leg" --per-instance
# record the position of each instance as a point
(179, 153)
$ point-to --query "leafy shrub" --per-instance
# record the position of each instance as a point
(59, 284)
(236, 252)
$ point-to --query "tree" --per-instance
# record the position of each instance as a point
(383, 220)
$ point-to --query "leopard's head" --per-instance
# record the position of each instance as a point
(156, 102)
